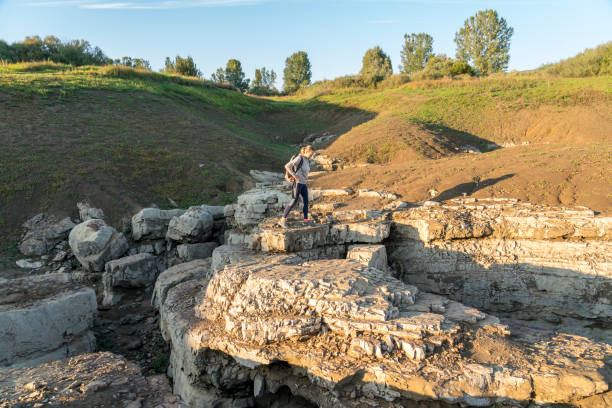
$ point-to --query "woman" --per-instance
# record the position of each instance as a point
(298, 168)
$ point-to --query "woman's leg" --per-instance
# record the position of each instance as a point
(304, 193)
(290, 206)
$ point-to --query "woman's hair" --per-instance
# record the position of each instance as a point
(306, 149)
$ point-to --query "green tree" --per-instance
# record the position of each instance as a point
(134, 63)
(235, 76)
(218, 76)
(182, 66)
(7, 54)
(297, 73)
(415, 52)
(484, 40)
(376, 66)
(263, 82)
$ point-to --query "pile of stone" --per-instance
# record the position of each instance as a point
(87, 380)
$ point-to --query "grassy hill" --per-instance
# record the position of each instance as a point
(123, 139)
(544, 139)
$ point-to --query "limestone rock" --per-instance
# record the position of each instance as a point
(189, 252)
(152, 223)
(229, 254)
(43, 233)
(195, 225)
(266, 176)
(199, 268)
(255, 205)
(217, 211)
(43, 318)
(86, 212)
(373, 256)
(353, 336)
(135, 271)
(94, 243)
(29, 264)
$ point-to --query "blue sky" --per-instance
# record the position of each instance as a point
(335, 33)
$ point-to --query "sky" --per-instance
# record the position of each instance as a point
(334, 33)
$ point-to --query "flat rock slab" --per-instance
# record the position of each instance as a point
(43, 318)
(85, 381)
(352, 334)
(197, 269)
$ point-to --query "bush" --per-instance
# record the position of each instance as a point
(33, 49)
(393, 81)
(440, 66)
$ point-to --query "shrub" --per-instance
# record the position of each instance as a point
(393, 81)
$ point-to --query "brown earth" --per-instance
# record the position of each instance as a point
(552, 174)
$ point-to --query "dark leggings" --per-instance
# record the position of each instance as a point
(302, 190)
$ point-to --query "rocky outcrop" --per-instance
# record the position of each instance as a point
(131, 272)
(194, 225)
(43, 233)
(274, 316)
(373, 256)
(349, 336)
(152, 223)
(87, 380)
(519, 260)
(94, 243)
(44, 318)
(200, 268)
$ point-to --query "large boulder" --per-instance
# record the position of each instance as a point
(94, 243)
(43, 318)
(189, 252)
(152, 223)
(87, 212)
(130, 272)
(43, 233)
(199, 268)
(195, 225)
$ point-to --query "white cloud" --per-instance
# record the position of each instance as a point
(142, 5)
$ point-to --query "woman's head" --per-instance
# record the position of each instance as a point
(307, 151)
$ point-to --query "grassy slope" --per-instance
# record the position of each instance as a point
(124, 139)
(561, 128)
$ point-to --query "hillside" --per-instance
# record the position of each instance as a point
(543, 139)
(124, 139)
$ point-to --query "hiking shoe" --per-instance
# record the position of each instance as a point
(283, 224)
(308, 223)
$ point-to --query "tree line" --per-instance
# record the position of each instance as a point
(483, 45)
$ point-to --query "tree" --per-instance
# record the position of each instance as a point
(218, 76)
(134, 63)
(376, 65)
(182, 66)
(484, 40)
(297, 73)
(263, 82)
(415, 52)
(235, 76)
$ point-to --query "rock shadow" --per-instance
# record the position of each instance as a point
(470, 187)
